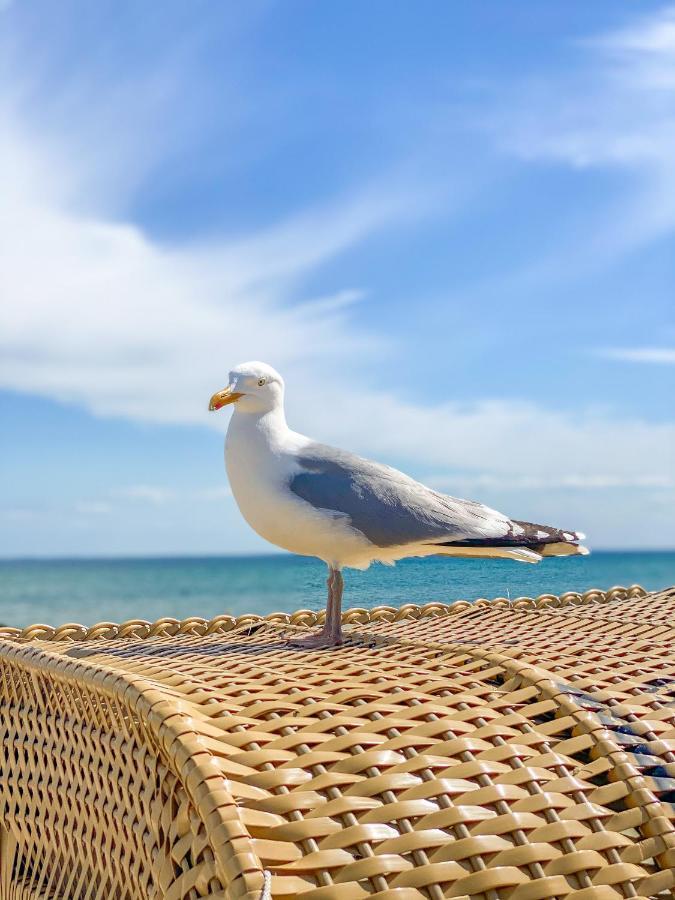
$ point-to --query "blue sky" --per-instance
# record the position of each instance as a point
(450, 226)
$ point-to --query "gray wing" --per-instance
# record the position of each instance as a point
(385, 505)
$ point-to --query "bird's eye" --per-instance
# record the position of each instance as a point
(261, 381)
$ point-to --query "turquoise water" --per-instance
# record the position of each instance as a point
(88, 591)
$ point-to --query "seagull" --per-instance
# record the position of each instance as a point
(316, 500)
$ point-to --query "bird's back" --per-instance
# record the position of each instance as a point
(387, 506)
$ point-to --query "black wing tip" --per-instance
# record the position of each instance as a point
(523, 534)
(532, 533)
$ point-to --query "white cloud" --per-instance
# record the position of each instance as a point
(146, 493)
(211, 495)
(158, 495)
(505, 438)
(97, 313)
(617, 108)
(489, 481)
(613, 107)
(93, 507)
(652, 355)
(19, 514)
(649, 45)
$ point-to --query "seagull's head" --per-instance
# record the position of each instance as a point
(254, 386)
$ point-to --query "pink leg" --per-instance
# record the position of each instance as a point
(331, 633)
(333, 626)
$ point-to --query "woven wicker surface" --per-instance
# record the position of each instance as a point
(523, 751)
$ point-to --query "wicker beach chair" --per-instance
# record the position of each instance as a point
(497, 750)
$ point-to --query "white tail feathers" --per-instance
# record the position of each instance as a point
(520, 554)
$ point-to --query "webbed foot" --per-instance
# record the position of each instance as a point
(320, 641)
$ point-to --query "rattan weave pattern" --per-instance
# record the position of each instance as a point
(500, 750)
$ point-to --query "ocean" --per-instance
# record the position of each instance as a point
(95, 590)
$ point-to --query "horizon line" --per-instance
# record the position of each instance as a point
(138, 557)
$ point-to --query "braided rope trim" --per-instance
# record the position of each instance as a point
(139, 629)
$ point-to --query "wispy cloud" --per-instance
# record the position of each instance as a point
(664, 356)
(506, 439)
(616, 109)
(613, 109)
(490, 481)
(158, 495)
(146, 493)
(100, 314)
(20, 513)
(213, 494)
(649, 44)
(93, 508)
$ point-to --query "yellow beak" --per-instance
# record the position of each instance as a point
(223, 398)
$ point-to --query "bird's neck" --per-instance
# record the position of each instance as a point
(265, 426)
